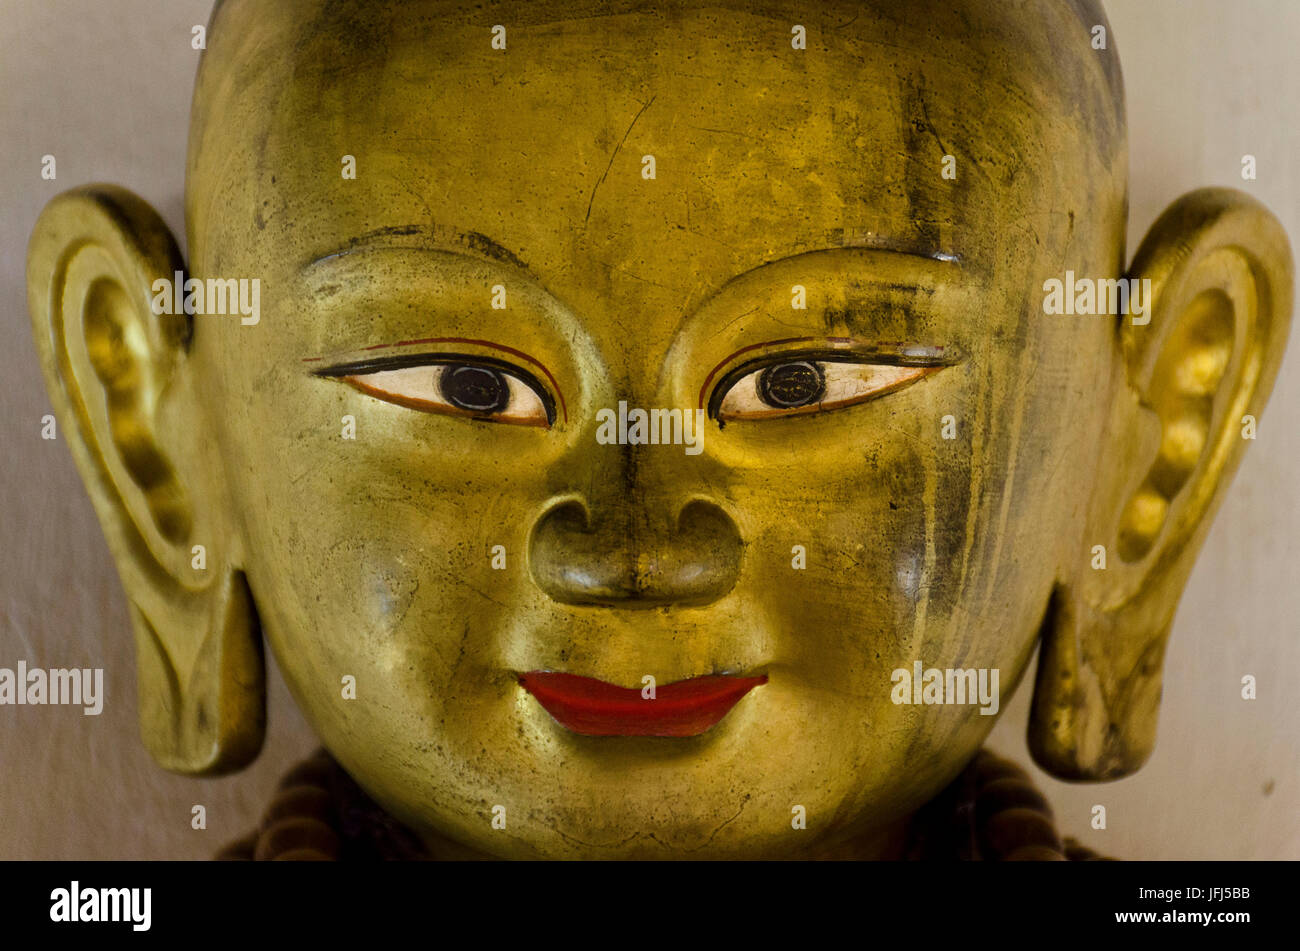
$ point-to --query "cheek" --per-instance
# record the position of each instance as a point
(885, 542)
(384, 567)
(910, 557)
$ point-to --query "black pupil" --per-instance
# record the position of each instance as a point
(477, 389)
(791, 384)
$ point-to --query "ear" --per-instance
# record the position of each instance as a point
(116, 374)
(1219, 309)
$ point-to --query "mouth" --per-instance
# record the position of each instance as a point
(592, 707)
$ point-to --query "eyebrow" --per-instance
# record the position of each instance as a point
(441, 237)
(851, 239)
(434, 237)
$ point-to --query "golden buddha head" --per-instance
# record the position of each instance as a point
(484, 261)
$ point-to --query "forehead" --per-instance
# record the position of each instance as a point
(542, 153)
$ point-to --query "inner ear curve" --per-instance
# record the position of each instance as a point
(119, 355)
(1183, 389)
(113, 355)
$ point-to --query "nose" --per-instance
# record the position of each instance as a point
(633, 557)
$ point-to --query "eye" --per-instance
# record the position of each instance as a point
(479, 389)
(791, 387)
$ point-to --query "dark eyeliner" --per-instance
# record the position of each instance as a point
(406, 361)
(909, 357)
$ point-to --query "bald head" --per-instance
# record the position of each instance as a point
(416, 93)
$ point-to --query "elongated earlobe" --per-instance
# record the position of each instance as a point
(1220, 273)
(115, 372)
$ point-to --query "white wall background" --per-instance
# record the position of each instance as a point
(105, 85)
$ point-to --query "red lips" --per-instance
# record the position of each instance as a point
(595, 708)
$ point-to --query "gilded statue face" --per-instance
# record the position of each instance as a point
(523, 170)
(470, 256)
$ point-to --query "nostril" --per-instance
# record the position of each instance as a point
(570, 516)
(701, 515)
